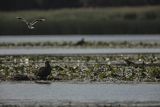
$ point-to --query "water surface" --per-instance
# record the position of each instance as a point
(35, 38)
(94, 92)
(75, 51)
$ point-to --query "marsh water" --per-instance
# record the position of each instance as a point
(34, 38)
(70, 51)
(81, 92)
(74, 51)
(59, 92)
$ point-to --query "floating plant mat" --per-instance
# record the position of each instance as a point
(83, 44)
(137, 67)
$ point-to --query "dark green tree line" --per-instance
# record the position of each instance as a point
(8, 5)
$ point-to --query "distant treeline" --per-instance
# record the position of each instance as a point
(117, 20)
(11, 5)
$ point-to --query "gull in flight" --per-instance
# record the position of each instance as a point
(30, 24)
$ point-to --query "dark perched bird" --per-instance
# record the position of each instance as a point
(129, 63)
(80, 42)
(44, 72)
(30, 24)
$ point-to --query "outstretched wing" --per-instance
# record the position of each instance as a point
(37, 20)
(22, 19)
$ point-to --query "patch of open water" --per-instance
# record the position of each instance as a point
(88, 92)
(35, 38)
(75, 51)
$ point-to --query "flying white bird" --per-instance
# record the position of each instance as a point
(30, 24)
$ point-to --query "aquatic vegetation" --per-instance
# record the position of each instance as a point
(146, 67)
(83, 44)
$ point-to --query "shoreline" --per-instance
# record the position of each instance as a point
(76, 82)
(27, 103)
